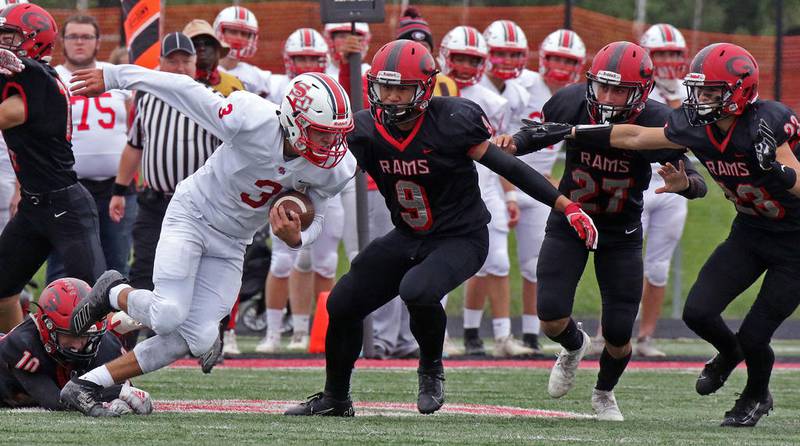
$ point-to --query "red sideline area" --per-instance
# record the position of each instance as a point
(265, 363)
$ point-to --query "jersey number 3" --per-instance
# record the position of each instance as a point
(414, 201)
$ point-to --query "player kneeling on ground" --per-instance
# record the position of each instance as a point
(420, 150)
(38, 356)
(216, 211)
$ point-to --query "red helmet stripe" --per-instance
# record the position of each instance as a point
(667, 32)
(566, 39)
(308, 38)
(511, 32)
(336, 93)
(472, 39)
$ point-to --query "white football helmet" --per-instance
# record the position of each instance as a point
(361, 29)
(316, 101)
(562, 43)
(505, 35)
(305, 42)
(666, 38)
(464, 40)
(4, 3)
(240, 19)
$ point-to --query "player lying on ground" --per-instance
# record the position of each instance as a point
(215, 212)
(420, 150)
(38, 357)
(747, 146)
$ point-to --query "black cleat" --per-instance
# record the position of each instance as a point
(431, 391)
(212, 357)
(83, 396)
(321, 404)
(96, 305)
(747, 411)
(473, 345)
(714, 375)
(531, 341)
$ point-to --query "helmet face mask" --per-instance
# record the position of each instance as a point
(603, 112)
(561, 57)
(400, 82)
(668, 50)
(463, 55)
(27, 30)
(669, 64)
(238, 27)
(507, 64)
(707, 102)
(619, 70)
(316, 117)
(305, 51)
(508, 49)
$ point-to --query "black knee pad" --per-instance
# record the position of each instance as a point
(617, 335)
(414, 294)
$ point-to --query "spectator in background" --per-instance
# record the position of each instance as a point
(237, 27)
(119, 56)
(209, 51)
(99, 133)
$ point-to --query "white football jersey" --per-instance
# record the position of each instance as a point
(254, 79)
(99, 129)
(234, 188)
(278, 86)
(496, 109)
(659, 94)
(6, 168)
(538, 95)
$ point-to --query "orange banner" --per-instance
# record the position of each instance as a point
(142, 18)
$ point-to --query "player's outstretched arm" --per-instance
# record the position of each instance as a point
(537, 186)
(179, 91)
(623, 136)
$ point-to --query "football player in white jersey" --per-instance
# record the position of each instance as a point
(237, 26)
(561, 58)
(342, 41)
(664, 215)
(215, 212)
(463, 55)
(298, 276)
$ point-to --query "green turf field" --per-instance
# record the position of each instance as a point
(660, 407)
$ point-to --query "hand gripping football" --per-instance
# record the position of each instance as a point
(292, 200)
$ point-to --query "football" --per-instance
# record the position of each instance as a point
(292, 200)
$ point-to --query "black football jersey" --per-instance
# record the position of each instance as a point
(40, 148)
(759, 198)
(608, 183)
(22, 350)
(429, 183)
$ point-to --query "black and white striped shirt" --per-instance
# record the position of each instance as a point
(174, 145)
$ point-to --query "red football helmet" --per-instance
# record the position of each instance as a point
(34, 27)
(55, 308)
(401, 63)
(620, 65)
(727, 67)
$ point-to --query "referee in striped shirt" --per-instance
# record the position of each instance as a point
(169, 147)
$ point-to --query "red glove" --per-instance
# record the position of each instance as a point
(582, 224)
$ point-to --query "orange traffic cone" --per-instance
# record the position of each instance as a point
(316, 342)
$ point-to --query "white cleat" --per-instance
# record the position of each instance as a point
(562, 376)
(270, 344)
(508, 347)
(229, 345)
(644, 347)
(450, 349)
(605, 406)
(299, 342)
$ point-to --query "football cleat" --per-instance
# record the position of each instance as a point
(229, 345)
(644, 347)
(84, 396)
(605, 406)
(96, 305)
(531, 340)
(299, 342)
(270, 344)
(450, 349)
(431, 391)
(473, 345)
(747, 411)
(321, 404)
(508, 347)
(212, 357)
(562, 376)
(714, 374)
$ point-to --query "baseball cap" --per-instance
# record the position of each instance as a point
(199, 27)
(176, 41)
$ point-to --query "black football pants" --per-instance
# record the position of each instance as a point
(420, 271)
(734, 265)
(66, 221)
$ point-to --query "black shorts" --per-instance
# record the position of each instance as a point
(420, 270)
(146, 232)
(64, 220)
(618, 268)
(737, 263)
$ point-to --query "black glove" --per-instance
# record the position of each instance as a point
(534, 135)
(765, 147)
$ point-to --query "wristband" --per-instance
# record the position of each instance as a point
(511, 196)
(119, 190)
(598, 136)
(785, 174)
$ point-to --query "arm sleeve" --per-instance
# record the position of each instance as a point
(41, 388)
(520, 174)
(211, 111)
(109, 394)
